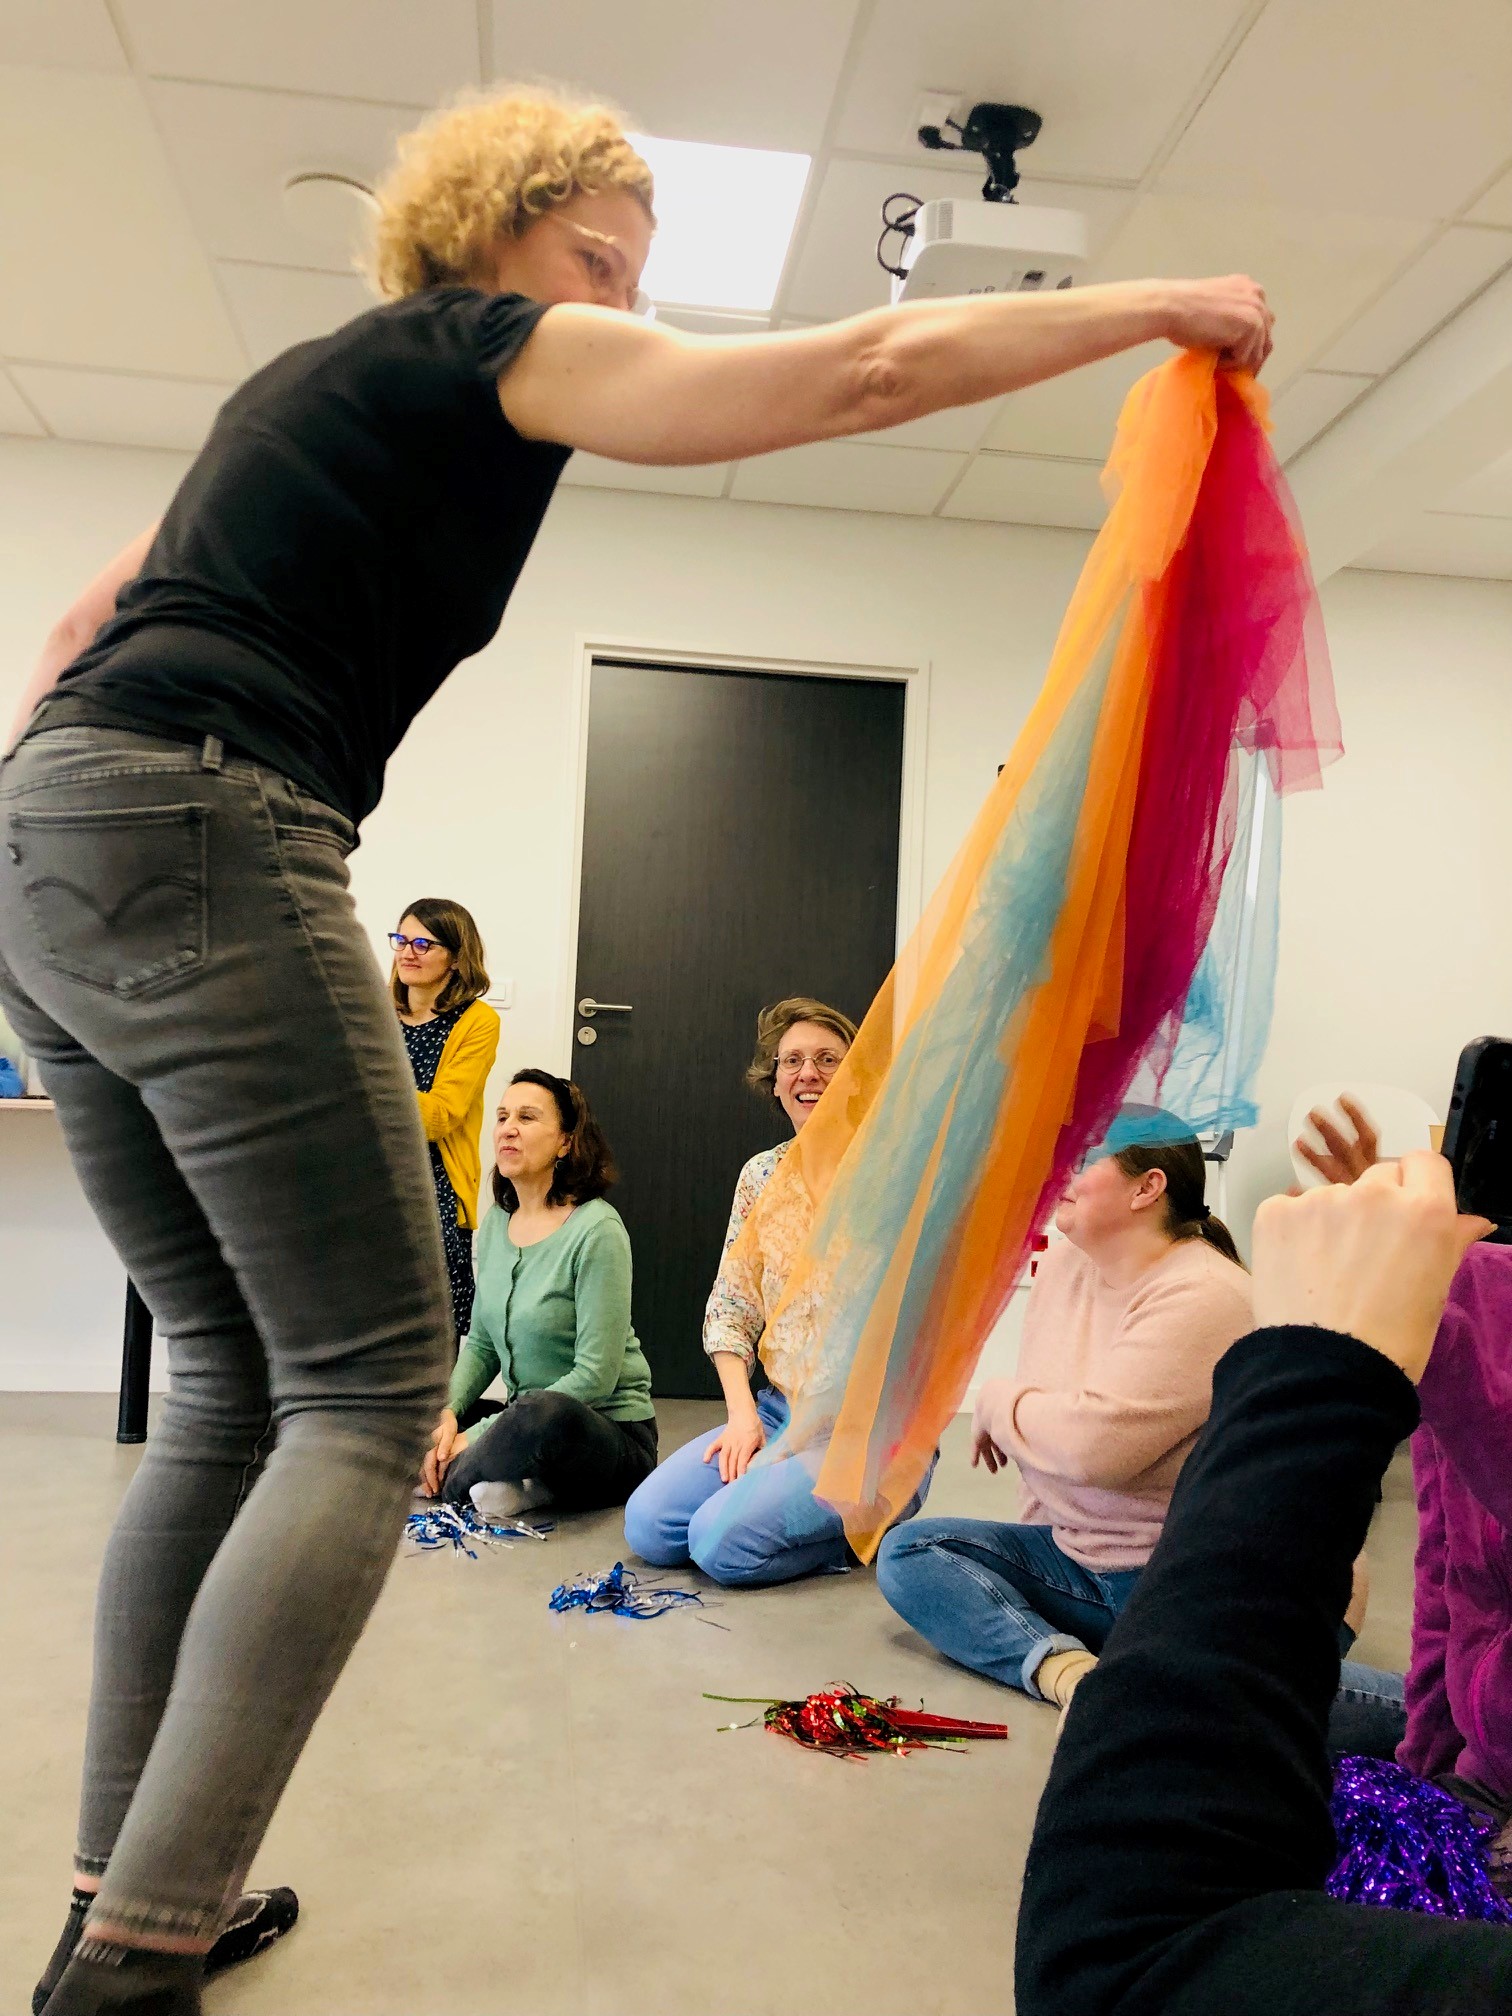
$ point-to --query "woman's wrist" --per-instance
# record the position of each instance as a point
(735, 1383)
(1153, 305)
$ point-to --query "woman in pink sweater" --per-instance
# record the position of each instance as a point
(1125, 1323)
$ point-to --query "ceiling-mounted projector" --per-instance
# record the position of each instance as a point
(995, 246)
(964, 247)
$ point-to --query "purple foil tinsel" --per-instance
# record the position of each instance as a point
(1406, 1845)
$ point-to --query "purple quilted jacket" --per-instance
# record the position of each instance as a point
(1459, 1687)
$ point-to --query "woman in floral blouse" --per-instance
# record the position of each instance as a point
(705, 1504)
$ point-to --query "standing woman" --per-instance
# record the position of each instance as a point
(207, 729)
(452, 1037)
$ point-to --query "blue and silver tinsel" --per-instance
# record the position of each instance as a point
(455, 1525)
(622, 1593)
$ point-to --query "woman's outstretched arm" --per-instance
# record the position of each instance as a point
(635, 391)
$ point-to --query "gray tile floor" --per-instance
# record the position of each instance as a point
(508, 1813)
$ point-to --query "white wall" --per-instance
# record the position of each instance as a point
(1395, 948)
(1390, 955)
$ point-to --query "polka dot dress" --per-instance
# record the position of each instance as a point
(425, 1041)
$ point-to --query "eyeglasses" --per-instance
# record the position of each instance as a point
(609, 267)
(825, 1062)
(421, 945)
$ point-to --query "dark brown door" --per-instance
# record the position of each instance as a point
(740, 844)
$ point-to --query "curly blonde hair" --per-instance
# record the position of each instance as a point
(485, 168)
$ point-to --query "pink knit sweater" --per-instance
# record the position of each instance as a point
(1113, 1386)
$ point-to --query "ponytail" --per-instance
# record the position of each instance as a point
(1185, 1170)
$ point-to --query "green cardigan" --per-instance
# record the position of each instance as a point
(555, 1317)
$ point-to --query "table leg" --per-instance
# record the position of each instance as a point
(136, 1368)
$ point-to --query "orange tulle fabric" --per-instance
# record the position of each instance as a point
(891, 1292)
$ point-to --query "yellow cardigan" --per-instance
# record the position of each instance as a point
(452, 1111)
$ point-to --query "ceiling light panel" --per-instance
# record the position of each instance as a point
(725, 218)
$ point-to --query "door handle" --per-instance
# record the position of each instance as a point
(588, 1008)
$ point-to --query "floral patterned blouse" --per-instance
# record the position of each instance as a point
(749, 1285)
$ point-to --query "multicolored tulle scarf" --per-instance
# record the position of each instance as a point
(1061, 964)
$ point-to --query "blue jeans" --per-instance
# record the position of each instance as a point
(999, 1599)
(1369, 1714)
(765, 1527)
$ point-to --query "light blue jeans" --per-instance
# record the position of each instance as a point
(1369, 1717)
(999, 1599)
(765, 1527)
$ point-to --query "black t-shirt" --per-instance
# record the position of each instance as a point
(352, 529)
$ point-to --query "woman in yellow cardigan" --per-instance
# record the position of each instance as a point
(452, 1036)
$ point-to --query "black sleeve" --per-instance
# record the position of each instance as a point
(1184, 1837)
(503, 322)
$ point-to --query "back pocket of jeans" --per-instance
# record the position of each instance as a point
(117, 897)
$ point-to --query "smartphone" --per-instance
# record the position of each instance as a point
(1478, 1134)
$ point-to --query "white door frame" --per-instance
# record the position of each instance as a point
(912, 676)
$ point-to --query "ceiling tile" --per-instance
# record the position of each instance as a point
(234, 150)
(1337, 105)
(131, 412)
(1308, 405)
(848, 477)
(1488, 494)
(397, 50)
(1107, 78)
(275, 306)
(1495, 207)
(1025, 490)
(836, 271)
(1437, 543)
(1435, 286)
(16, 417)
(1318, 267)
(720, 70)
(115, 276)
(594, 473)
(74, 34)
(1077, 413)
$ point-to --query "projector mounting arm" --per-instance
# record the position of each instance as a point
(996, 132)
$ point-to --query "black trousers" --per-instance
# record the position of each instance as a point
(1183, 1840)
(583, 1458)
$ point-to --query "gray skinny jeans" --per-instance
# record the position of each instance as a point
(179, 951)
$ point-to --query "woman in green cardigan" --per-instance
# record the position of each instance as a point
(552, 1319)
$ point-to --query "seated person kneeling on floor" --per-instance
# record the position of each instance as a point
(552, 1319)
(1126, 1319)
(705, 1504)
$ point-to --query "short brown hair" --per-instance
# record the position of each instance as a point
(485, 168)
(773, 1023)
(452, 926)
(587, 1169)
